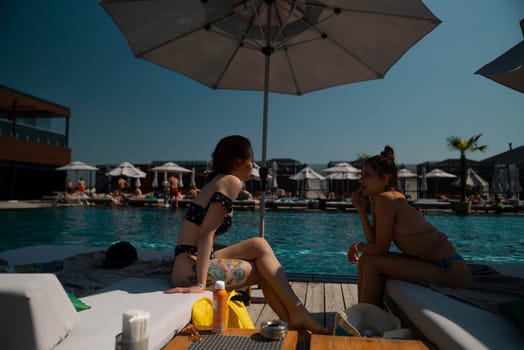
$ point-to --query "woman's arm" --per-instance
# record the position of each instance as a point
(206, 234)
(384, 217)
(359, 203)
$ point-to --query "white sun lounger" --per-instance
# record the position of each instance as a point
(448, 323)
(45, 304)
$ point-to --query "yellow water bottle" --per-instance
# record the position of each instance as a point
(219, 308)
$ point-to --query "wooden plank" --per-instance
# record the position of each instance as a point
(326, 342)
(300, 289)
(350, 295)
(334, 302)
(315, 301)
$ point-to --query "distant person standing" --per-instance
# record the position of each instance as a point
(70, 189)
(81, 185)
(175, 191)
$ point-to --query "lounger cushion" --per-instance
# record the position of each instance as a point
(99, 325)
(451, 324)
(36, 312)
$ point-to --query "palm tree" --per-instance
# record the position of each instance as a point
(463, 146)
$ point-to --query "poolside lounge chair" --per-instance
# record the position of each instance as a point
(43, 317)
(448, 323)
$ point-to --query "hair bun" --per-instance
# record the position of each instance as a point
(388, 153)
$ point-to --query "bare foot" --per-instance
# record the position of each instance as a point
(304, 320)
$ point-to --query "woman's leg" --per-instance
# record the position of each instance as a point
(376, 268)
(271, 277)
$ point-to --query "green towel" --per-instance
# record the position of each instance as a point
(77, 303)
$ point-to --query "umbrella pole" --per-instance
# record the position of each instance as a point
(267, 54)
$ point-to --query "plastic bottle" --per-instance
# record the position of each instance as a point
(219, 308)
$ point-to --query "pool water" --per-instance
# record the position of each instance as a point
(304, 242)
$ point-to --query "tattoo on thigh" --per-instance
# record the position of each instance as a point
(215, 273)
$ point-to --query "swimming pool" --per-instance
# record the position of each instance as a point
(305, 242)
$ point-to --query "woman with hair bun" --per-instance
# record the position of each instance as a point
(196, 266)
(426, 253)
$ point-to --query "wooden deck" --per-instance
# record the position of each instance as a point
(322, 299)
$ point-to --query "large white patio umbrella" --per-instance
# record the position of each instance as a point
(508, 68)
(171, 167)
(342, 171)
(342, 167)
(307, 176)
(77, 166)
(126, 169)
(404, 174)
(283, 46)
(438, 174)
(472, 180)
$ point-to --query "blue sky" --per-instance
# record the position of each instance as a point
(127, 109)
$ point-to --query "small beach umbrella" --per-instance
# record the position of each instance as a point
(290, 47)
(155, 180)
(508, 68)
(180, 180)
(193, 179)
(273, 172)
(423, 182)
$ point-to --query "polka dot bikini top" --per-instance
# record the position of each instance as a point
(196, 213)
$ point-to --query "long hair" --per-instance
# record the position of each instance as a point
(384, 164)
(226, 152)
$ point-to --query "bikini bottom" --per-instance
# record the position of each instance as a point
(189, 249)
(445, 264)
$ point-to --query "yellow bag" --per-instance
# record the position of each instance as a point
(237, 315)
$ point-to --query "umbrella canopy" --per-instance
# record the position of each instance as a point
(171, 167)
(126, 169)
(342, 167)
(508, 68)
(155, 180)
(77, 166)
(291, 47)
(423, 181)
(472, 180)
(192, 184)
(273, 172)
(438, 173)
(406, 174)
(307, 174)
(343, 176)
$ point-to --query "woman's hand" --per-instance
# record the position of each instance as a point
(185, 290)
(353, 254)
(358, 200)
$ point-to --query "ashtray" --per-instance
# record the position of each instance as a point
(274, 330)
